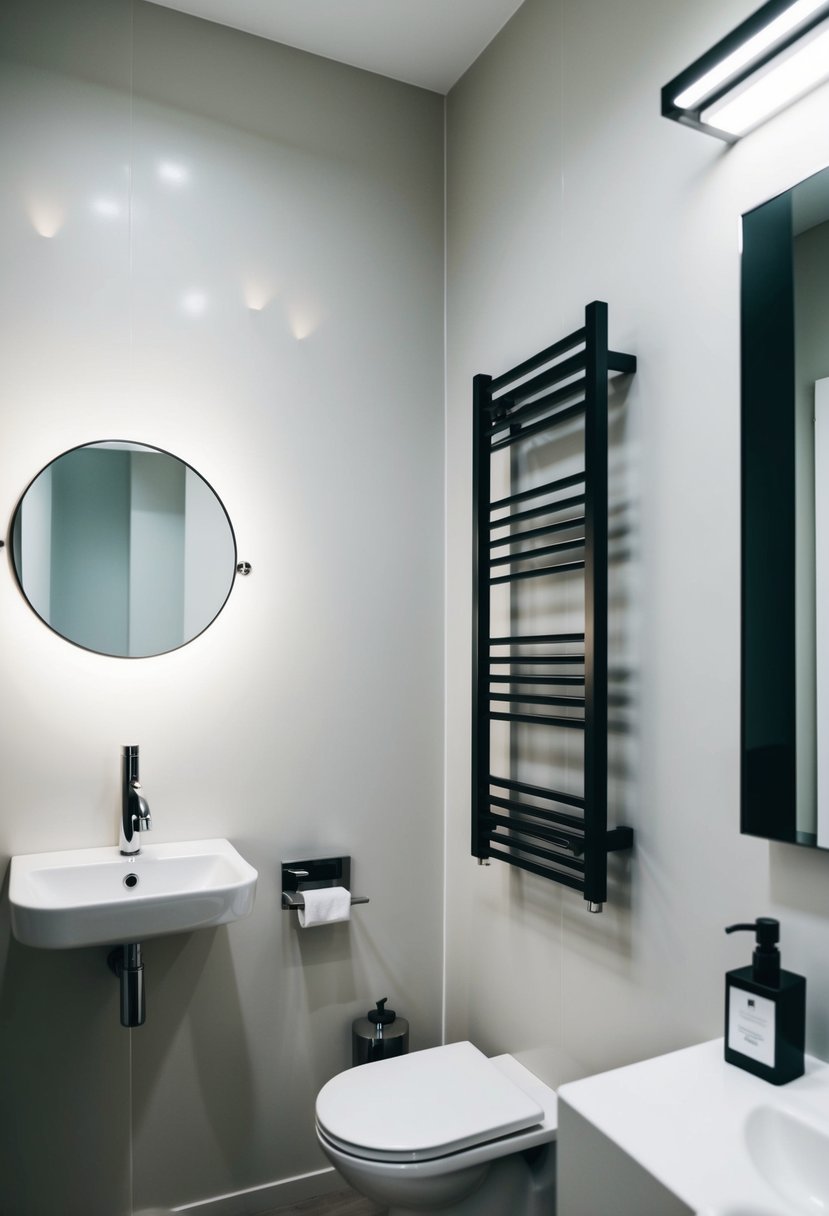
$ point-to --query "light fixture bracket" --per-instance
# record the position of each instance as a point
(690, 115)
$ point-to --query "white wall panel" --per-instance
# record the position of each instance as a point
(565, 185)
(233, 251)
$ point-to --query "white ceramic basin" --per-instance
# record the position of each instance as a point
(96, 897)
(792, 1154)
(722, 1141)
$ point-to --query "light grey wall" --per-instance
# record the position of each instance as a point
(33, 543)
(234, 251)
(564, 186)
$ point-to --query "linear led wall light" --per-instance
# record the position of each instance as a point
(776, 56)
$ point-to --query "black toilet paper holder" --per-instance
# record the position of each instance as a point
(314, 874)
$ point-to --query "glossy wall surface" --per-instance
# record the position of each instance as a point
(234, 251)
(565, 186)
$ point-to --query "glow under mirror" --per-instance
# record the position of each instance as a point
(123, 549)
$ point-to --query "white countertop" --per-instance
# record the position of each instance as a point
(683, 1118)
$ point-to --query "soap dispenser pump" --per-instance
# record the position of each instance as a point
(765, 1010)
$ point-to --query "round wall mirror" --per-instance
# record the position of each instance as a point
(123, 549)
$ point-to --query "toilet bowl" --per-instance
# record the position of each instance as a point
(444, 1130)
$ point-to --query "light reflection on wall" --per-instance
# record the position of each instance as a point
(257, 293)
(106, 208)
(303, 320)
(194, 303)
(173, 173)
(47, 216)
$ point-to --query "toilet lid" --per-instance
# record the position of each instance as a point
(423, 1105)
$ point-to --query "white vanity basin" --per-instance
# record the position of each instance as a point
(715, 1139)
(97, 897)
(792, 1154)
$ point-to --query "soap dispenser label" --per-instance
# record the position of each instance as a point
(751, 1025)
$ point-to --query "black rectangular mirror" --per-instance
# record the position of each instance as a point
(785, 516)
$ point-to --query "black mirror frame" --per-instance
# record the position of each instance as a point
(768, 672)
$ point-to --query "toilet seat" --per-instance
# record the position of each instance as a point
(423, 1106)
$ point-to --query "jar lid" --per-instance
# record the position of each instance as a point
(381, 1016)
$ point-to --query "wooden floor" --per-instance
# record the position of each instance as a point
(339, 1203)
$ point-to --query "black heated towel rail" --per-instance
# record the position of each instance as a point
(547, 531)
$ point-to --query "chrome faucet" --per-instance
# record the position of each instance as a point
(135, 811)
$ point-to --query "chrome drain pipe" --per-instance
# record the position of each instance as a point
(127, 963)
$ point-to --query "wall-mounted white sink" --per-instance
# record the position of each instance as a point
(97, 897)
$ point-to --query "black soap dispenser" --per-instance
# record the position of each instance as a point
(765, 1010)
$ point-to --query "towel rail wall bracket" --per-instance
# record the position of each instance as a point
(558, 835)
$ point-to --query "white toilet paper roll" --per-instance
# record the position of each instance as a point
(325, 906)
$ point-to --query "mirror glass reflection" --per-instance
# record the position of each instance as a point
(123, 549)
(785, 413)
(810, 228)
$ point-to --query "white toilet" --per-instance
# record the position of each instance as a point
(444, 1130)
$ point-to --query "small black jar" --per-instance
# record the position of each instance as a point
(380, 1035)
